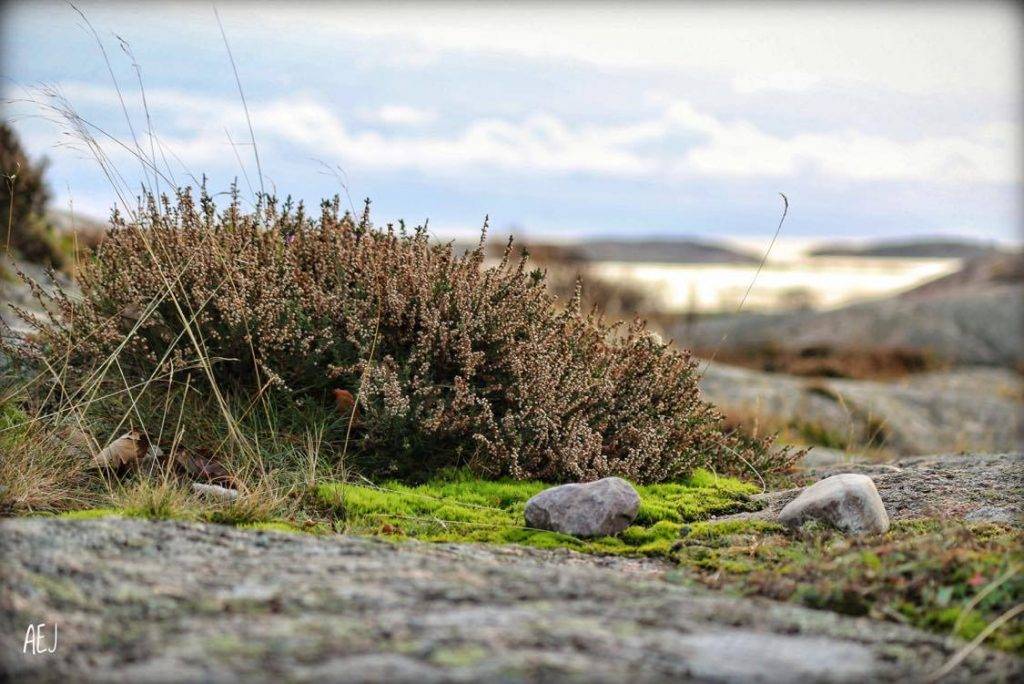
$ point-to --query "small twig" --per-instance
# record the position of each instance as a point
(117, 86)
(11, 182)
(760, 266)
(245, 106)
(359, 392)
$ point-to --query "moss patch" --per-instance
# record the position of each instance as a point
(13, 424)
(946, 577)
(926, 573)
(923, 572)
(95, 513)
(288, 526)
(283, 526)
(458, 508)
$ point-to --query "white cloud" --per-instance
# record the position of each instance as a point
(403, 115)
(545, 144)
(905, 47)
(985, 155)
(782, 81)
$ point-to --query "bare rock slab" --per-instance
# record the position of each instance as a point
(237, 606)
(590, 509)
(848, 502)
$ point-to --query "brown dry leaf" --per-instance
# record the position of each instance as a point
(203, 464)
(345, 401)
(123, 451)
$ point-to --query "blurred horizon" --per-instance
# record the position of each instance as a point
(562, 123)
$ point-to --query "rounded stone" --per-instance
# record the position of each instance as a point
(590, 509)
(848, 502)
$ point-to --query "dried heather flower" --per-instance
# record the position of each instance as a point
(455, 364)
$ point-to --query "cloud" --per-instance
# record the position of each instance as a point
(781, 81)
(740, 149)
(547, 144)
(403, 115)
(904, 47)
(193, 128)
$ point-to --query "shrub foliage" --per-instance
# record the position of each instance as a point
(454, 362)
(23, 200)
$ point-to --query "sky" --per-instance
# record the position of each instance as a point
(563, 121)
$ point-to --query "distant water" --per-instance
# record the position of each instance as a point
(804, 281)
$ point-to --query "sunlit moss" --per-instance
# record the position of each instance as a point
(94, 514)
(460, 508)
(273, 526)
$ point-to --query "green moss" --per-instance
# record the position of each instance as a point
(273, 526)
(94, 513)
(145, 513)
(923, 572)
(456, 507)
(14, 424)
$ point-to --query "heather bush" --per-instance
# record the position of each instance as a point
(452, 364)
(23, 200)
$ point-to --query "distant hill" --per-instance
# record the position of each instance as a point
(662, 251)
(937, 248)
(653, 250)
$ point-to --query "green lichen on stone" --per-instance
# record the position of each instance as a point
(464, 656)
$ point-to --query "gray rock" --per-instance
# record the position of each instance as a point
(215, 492)
(970, 326)
(848, 502)
(818, 457)
(591, 509)
(943, 485)
(993, 514)
(968, 409)
(349, 609)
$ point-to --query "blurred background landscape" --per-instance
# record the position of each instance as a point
(887, 318)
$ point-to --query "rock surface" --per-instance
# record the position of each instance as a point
(15, 292)
(848, 502)
(588, 509)
(981, 325)
(971, 409)
(945, 486)
(156, 601)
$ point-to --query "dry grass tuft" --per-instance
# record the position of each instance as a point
(37, 471)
